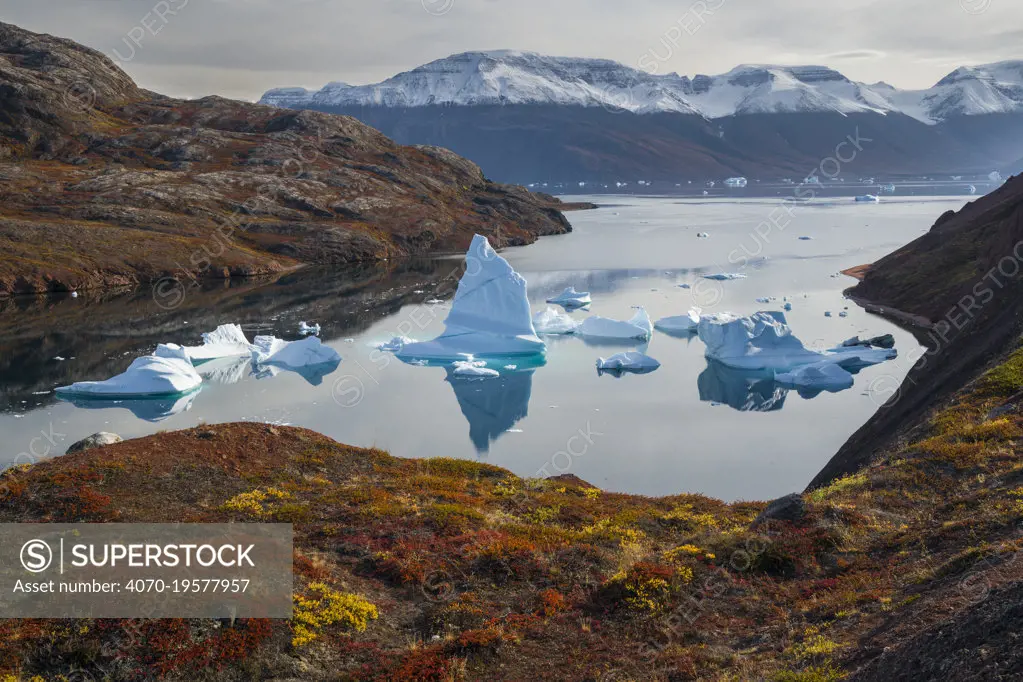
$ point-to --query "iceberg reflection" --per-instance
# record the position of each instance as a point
(740, 389)
(492, 406)
(147, 409)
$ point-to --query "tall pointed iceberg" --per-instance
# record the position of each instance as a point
(489, 315)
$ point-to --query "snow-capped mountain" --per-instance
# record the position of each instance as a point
(967, 91)
(507, 77)
(751, 89)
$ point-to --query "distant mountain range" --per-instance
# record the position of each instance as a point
(527, 116)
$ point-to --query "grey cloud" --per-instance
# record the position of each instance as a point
(242, 47)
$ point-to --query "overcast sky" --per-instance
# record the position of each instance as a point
(240, 48)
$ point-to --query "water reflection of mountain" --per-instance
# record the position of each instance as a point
(543, 285)
(103, 331)
(743, 390)
(492, 406)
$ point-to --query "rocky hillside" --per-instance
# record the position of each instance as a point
(961, 285)
(104, 183)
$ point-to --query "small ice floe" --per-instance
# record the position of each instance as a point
(489, 315)
(806, 239)
(554, 322)
(308, 329)
(226, 341)
(167, 372)
(788, 307)
(511, 368)
(680, 324)
(825, 376)
(763, 299)
(702, 235)
(868, 198)
(843, 314)
(395, 344)
(349, 340)
(570, 298)
(633, 362)
(473, 369)
(639, 328)
(725, 276)
(827, 313)
(59, 359)
(308, 358)
(434, 301)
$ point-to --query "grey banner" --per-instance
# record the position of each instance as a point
(146, 570)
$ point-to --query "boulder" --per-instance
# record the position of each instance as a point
(96, 440)
(790, 508)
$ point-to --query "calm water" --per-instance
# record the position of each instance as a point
(690, 426)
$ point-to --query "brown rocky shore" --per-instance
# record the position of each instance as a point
(103, 183)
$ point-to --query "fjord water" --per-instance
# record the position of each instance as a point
(690, 426)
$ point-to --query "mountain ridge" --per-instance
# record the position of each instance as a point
(521, 77)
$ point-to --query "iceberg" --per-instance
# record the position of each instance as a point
(473, 369)
(680, 324)
(824, 376)
(489, 315)
(308, 329)
(639, 328)
(310, 351)
(395, 344)
(552, 321)
(168, 372)
(725, 276)
(226, 341)
(868, 198)
(633, 361)
(570, 298)
(765, 341)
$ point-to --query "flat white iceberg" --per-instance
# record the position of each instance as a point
(226, 341)
(308, 329)
(489, 315)
(639, 328)
(633, 361)
(765, 341)
(308, 352)
(570, 298)
(168, 372)
(680, 324)
(824, 376)
(725, 276)
(395, 344)
(553, 321)
(473, 369)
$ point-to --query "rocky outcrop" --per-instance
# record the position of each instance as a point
(103, 183)
(962, 283)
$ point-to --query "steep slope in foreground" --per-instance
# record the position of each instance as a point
(962, 281)
(103, 183)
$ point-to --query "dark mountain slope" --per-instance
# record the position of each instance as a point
(963, 280)
(529, 143)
